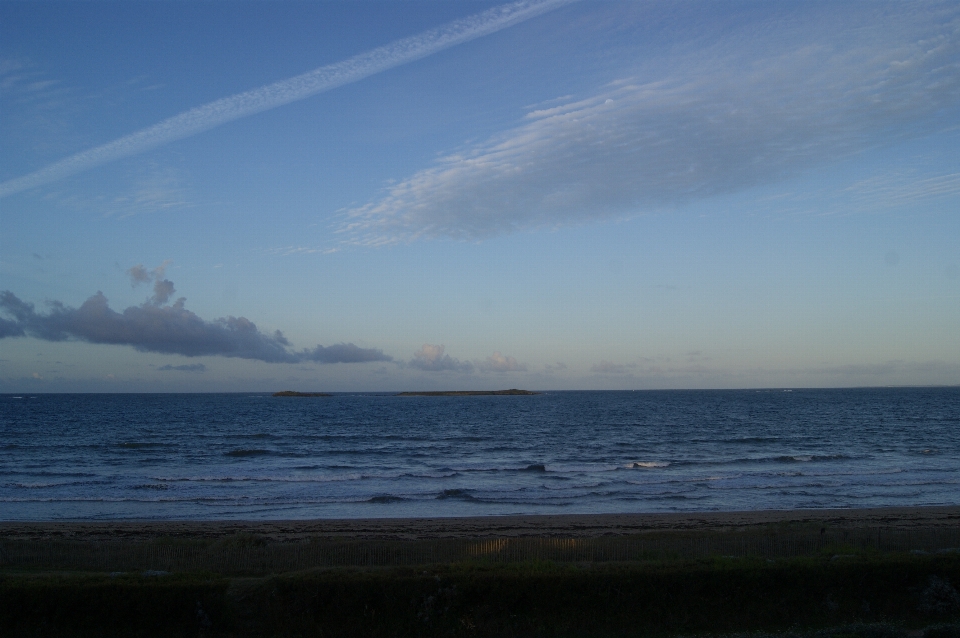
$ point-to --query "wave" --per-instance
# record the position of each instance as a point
(458, 494)
(243, 453)
(648, 464)
(780, 458)
(430, 475)
(31, 486)
(134, 445)
(323, 478)
(386, 498)
(257, 479)
(47, 473)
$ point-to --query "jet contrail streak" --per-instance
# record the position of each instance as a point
(292, 89)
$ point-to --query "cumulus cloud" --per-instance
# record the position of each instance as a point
(773, 103)
(168, 329)
(162, 288)
(139, 275)
(162, 291)
(499, 363)
(190, 367)
(433, 359)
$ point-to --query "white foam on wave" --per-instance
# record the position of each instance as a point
(647, 464)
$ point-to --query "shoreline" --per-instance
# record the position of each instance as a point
(487, 527)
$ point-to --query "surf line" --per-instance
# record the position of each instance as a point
(270, 96)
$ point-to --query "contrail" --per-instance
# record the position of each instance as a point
(292, 89)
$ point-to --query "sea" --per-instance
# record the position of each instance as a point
(371, 455)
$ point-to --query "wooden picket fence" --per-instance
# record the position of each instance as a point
(249, 555)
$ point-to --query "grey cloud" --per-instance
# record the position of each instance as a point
(162, 291)
(500, 363)
(172, 329)
(432, 358)
(344, 353)
(10, 328)
(139, 275)
(149, 328)
(190, 367)
(714, 122)
(162, 288)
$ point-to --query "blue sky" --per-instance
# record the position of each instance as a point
(459, 195)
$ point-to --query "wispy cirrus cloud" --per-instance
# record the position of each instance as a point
(898, 189)
(267, 97)
(724, 119)
(168, 329)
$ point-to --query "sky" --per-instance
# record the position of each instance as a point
(544, 194)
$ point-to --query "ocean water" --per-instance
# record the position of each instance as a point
(253, 456)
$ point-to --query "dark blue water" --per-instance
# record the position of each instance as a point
(366, 455)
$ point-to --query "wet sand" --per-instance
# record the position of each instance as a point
(567, 526)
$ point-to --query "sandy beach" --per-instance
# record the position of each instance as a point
(569, 526)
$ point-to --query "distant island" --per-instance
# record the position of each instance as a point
(291, 393)
(467, 393)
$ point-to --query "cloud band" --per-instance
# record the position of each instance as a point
(170, 329)
(267, 97)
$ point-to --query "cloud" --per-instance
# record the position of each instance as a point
(191, 367)
(139, 275)
(149, 328)
(162, 291)
(343, 353)
(10, 328)
(693, 126)
(168, 329)
(432, 359)
(606, 367)
(157, 190)
(499, 363)
(162, 288)
(898, 189)
(267, 97)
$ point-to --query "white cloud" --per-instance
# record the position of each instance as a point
(267, 97)
(433, 358)
(716, 122)
(500, 363)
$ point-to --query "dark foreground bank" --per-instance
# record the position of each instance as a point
(865, 593)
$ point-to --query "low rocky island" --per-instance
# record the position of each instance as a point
(291, 393)
(468, 393)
